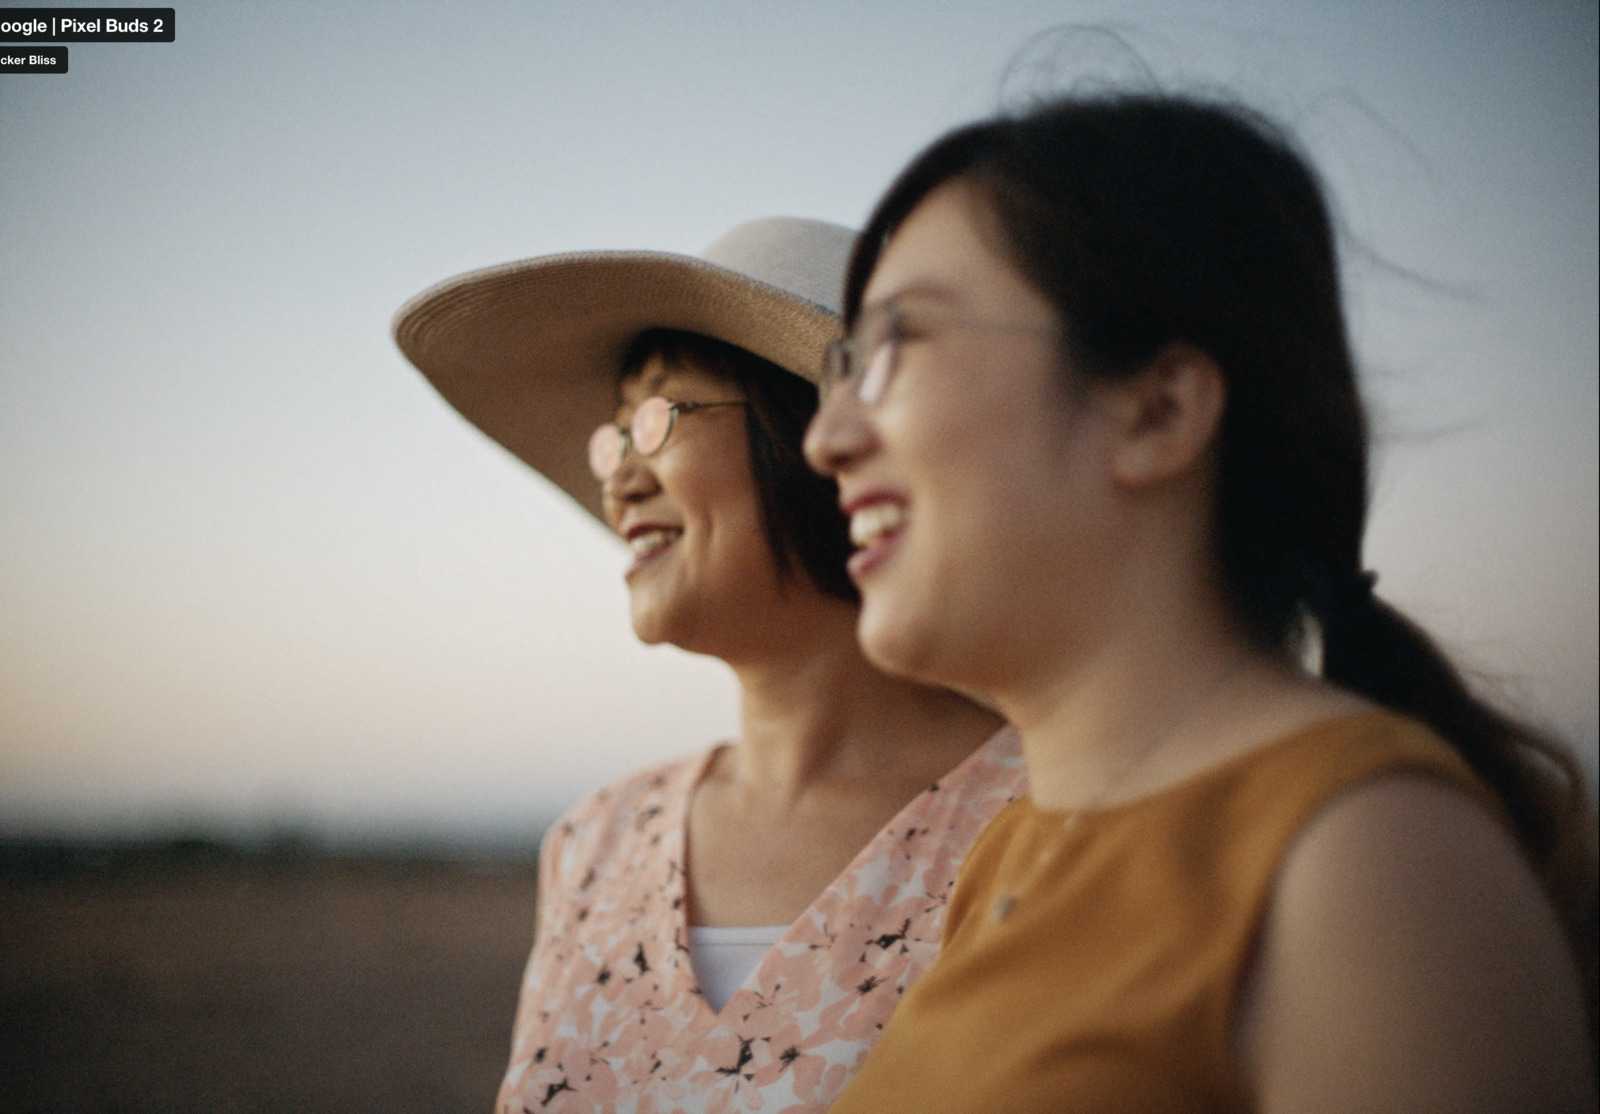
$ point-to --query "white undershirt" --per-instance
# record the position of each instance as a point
(723, 957)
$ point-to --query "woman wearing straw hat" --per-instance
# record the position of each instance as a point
(731, 931)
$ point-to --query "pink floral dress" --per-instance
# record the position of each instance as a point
(611, 1018)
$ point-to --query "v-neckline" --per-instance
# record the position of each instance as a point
(679, 896)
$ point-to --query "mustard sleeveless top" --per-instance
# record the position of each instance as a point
(1110, 984)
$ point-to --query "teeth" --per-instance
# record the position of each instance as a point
(873, 521)
(651, 540)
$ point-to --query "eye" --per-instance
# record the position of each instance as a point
(900, 330)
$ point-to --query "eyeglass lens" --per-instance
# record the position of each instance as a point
(606, 446)
(647, 432)
(879, 370)
(652, 421)
(866, 359)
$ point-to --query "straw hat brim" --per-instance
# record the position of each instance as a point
(529, 351)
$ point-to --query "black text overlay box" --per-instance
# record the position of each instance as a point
(87, 25)
(33, 59)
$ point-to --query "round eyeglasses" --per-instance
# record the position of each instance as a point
(868, 358)
(646, 433)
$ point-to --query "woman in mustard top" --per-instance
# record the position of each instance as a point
(1097, 428)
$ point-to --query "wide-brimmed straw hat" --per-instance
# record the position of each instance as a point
(529, 351)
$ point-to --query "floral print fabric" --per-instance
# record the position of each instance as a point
(611, 1018)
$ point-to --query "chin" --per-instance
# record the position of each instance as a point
(650, 627)
(894, 646)
(930, 647)
(675, 627)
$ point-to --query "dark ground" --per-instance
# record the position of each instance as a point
(191, 977)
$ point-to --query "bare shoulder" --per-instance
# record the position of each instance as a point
(1409, 961)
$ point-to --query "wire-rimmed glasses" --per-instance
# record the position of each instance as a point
(646, 433)
(868, 358)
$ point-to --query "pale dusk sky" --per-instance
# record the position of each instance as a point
(253, 572)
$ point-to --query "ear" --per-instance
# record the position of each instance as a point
(1167, 416)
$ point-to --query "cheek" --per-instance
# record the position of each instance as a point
(978, 472)
(721, 508)
(1002, 493)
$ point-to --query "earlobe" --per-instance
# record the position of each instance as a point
(1170, 414)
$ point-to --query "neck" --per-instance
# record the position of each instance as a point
(817, 712)
(1156, 683)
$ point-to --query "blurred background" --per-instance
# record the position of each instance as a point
(284, 638)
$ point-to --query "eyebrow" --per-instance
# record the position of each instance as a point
(924, 290)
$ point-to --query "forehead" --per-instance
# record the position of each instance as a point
(947, 252)
(685, 378)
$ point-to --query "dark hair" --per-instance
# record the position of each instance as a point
(1150, 220)
(799, 509)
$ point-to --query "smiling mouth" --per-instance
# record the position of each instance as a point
(875, 522)
(649, 543)
(874, 530)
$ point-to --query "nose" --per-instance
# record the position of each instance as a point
(840, 434)
(632, 481)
